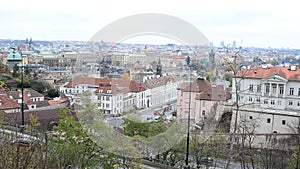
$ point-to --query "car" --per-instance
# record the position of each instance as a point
(206, 160)
(156, 112)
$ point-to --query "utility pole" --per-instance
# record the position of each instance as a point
(189, 117)
(22, 94)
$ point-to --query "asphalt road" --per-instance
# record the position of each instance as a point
(143, 115)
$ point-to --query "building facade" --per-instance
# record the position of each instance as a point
(266, 99)
(197, 98)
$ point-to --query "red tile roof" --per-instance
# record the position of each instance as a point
(86, 80)
(154, 82)
(120, 86)
(54, 102)
(198, 85)
(136, 87)
(7, 103)
(105, 84)
(214, 93)
(206, 90)
(265, 72)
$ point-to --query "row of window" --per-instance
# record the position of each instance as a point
(267, 88)
(292, 91)
(283, 122)
(272, 102)
(273, 89)
(107, 98)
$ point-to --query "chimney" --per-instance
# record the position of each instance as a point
(264, 66)
(293, 68)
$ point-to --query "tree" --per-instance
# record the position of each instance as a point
(294, 160)
(16, 72)
(135, 128)
(210, 77)
(2, 84)
(53, 93)
(126, 76)
(228, 78)
(40, 86)
(26, 71)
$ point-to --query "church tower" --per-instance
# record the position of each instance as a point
(211, 58)
(159, 68)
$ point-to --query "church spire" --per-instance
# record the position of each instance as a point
(159, 68)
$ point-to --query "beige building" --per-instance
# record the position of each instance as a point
(124, 59)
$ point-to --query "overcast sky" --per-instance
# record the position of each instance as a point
(255, 23)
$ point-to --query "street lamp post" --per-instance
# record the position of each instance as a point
(189, 117)
(22, 94)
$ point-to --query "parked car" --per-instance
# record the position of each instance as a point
(157, 112)
(205, 160)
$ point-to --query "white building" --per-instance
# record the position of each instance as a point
(161, 89)
(268, 100)
(113, 96)
(80, 85)
(117, 96)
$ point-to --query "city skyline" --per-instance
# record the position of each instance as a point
(256, 23)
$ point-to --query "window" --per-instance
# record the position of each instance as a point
(272, 102)
(290, 102)
(250, 99)
(267, 87)
(258, 88)
(251, 87)
(107, 105)
(238, 87)
(203, 103)
(298, 104)
(258, 99)
(274, 88)
(268, 120)
(250, 117)
(299, 92)
(107, 98)
(291, 91)
(279, 102)
(281, 89)
(266, 101)
(203, 112)
(283, 122)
